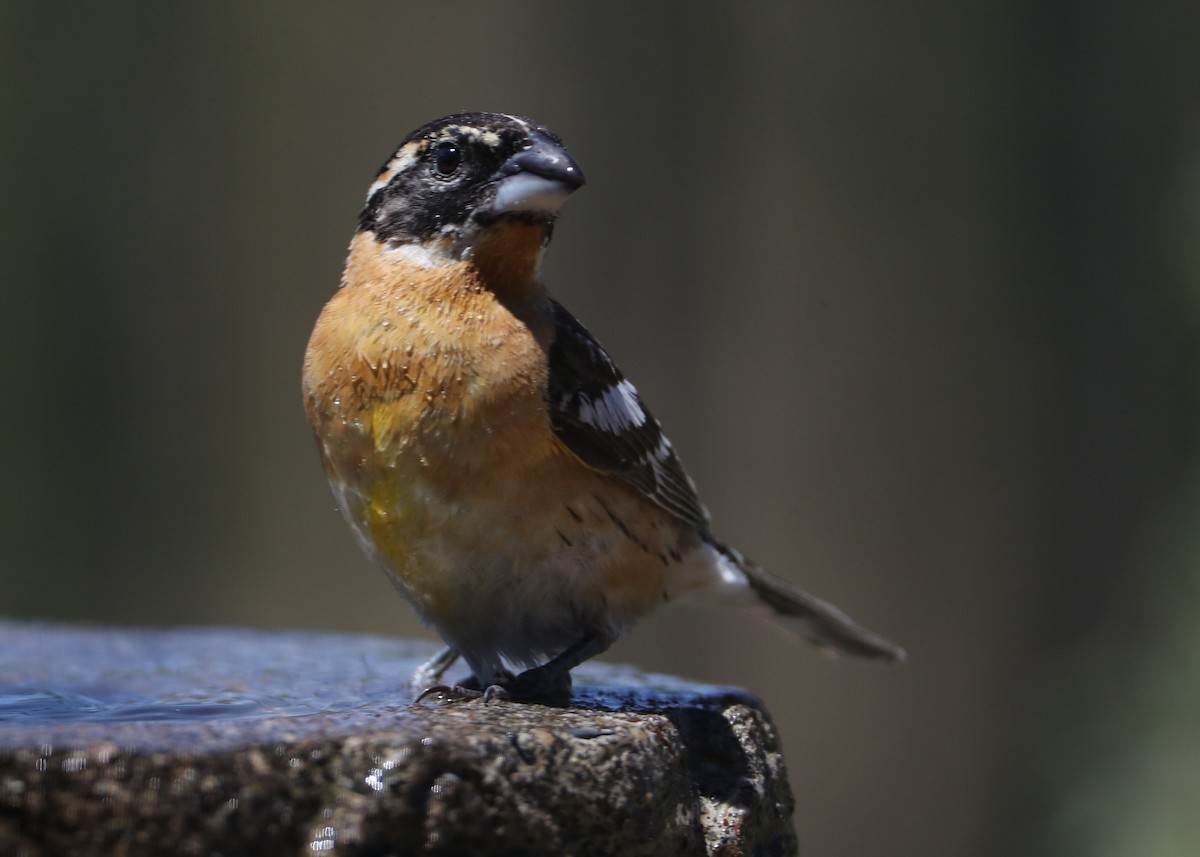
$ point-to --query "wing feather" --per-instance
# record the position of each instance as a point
(599, 416)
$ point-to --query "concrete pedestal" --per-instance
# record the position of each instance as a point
(231, 742)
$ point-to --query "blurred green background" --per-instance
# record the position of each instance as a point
(913, 288)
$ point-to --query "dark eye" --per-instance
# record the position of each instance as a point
(447, 158)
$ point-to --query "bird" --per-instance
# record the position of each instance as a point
(485, 449)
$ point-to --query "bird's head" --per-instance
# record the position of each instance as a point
(458, 182)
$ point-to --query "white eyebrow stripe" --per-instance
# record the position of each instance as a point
(402, 161)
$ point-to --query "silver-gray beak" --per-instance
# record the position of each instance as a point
(538, 179)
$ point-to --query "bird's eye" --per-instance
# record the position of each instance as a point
(447, 158)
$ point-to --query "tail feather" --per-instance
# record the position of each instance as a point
(817, 621)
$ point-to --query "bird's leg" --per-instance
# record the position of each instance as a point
(551, 682)
(430, 673)
(427, 679)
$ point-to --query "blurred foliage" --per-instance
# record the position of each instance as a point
(1119, 755)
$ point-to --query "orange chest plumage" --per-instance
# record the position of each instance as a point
(426, 393)
(412, 369)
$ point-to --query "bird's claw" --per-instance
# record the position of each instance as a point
(448, 693)
(466, 692)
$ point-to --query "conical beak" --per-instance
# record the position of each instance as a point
(537, 180)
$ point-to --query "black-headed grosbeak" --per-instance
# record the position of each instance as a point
(485, 449)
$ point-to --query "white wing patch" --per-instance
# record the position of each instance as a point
(616, 411)
(598, 415)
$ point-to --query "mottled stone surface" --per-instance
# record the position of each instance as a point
(233, 742)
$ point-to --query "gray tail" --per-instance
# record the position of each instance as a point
(817, 621)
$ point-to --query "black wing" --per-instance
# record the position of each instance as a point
(598, 415)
